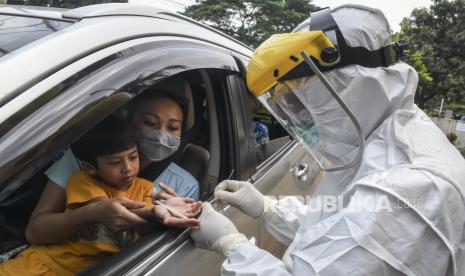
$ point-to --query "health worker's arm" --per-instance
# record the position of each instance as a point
(372, 235)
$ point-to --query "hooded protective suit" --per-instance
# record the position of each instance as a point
(403, 206)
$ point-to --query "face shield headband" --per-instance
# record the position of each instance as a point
(343, 54)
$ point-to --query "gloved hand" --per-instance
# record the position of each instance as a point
(216, 232)
(244, 196)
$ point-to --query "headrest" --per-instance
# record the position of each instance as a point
(181, 88)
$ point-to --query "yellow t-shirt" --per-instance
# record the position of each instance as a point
(92, 244)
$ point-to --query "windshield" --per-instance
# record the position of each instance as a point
(18, 31)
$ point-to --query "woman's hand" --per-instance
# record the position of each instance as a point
(115, 213)
(167, 193)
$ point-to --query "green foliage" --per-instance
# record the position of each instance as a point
(452, 137)
(69, 4)
(457, 108)
(436, 38)
(251, 21)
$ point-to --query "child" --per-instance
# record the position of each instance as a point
(110, 165)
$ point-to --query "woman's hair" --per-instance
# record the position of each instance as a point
(138, 105)
(112, 135)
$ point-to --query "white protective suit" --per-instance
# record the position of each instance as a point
(411, 181)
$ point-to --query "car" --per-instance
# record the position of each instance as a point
(63, 71)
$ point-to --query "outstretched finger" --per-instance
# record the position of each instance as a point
(168, 190)
(161, 196)
(193, 213)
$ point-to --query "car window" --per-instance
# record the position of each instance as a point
(269, 135)
(18, 31)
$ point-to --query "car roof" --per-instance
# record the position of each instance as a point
(44, 12)
(95, 27)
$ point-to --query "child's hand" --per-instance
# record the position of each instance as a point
(165, 217)
(184, 205)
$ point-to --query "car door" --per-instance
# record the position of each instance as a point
(57, 110)
(229, 161)
(276, 175)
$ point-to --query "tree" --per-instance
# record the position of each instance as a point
(251, 21)
(436, 38)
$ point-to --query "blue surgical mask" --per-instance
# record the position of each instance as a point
(157, 145)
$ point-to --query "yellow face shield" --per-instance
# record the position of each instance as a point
(307, 107)
(288, 73)
(281, 54)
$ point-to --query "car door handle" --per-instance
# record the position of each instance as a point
(300, 171)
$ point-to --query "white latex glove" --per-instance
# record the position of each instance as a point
(244, 196)
(216, 232)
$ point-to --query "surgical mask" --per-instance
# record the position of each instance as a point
(157, 145)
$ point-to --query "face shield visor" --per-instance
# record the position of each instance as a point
(314, 117)
(286, 73)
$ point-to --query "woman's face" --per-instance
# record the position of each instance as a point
(161, 114)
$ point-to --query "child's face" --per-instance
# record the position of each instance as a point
(120, 169)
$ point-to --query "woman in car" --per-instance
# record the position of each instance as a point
(158, 117)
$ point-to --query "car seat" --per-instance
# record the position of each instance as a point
(194, 159)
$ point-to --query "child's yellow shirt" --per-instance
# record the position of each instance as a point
(92, 244)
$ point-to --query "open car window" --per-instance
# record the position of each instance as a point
(193, 156)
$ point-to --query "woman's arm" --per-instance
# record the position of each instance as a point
(50, 224)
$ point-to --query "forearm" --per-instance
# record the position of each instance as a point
(48, 228)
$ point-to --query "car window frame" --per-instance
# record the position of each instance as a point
(146, 253)
(217, 58)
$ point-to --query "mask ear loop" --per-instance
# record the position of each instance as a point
(333, 92)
